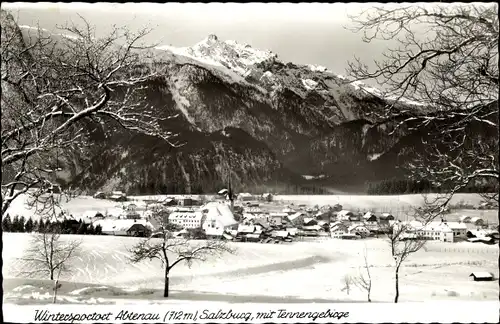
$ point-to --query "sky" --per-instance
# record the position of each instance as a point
(305, 33)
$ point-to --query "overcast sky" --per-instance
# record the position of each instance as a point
(306, 33)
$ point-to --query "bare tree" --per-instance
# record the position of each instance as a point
(57, 90)
(47, 255)
(404, 241)
(172, 251)
(347, 281)
(364, 279)
(446, 65)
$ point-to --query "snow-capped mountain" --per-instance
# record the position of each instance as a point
(243, 111)
(229, 54)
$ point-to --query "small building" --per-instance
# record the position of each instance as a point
(289, 211)
(370, 217)
(337, 207)
(138, 230)
(481, 276)
(170, 202)
(477, 221)
(361, 230)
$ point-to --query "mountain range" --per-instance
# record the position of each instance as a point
(243, 113)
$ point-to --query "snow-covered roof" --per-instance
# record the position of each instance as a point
(481, 274)
(223, 192)
(456, 225)
(475, 219)
(464, 218)
(288, 210)
(311, 228)
(121, 225)
(344, 213)
(369, 215)
(219, 212)
(246, 228)
(295, 216)
(244, 194)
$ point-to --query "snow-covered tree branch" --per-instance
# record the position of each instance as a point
(57, 88)
(447, 62)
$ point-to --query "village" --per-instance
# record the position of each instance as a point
(256, 218)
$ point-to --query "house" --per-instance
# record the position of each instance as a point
(465, 219)
(289, 211)
(118, 196)
(223, 192)
(482, 276)
(477, 221)
(187, 219)
(218, 219)
(188, 201)
(459, 229)
(386, 218)
(338, 229)
(369, 217)
(297, 219)
(308, 221)
(278, 218)
(359, 229)
(344, 215)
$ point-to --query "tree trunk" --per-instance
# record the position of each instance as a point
(55, 291)
(165, 291)
(397, 286)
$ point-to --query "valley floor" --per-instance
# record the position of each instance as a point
(295, 272)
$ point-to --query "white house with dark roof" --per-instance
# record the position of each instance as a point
(187, 219)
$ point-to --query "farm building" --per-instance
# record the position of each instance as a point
(436, 231)
(124, 227)
(369, 217)
(477, 221)
(186, 219)
(338, 229)
(131, 212)
(218, 218)
(289, 211)
(481, 276)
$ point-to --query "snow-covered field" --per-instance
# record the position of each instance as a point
(301, 271)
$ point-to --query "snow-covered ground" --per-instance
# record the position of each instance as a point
(296, 271)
